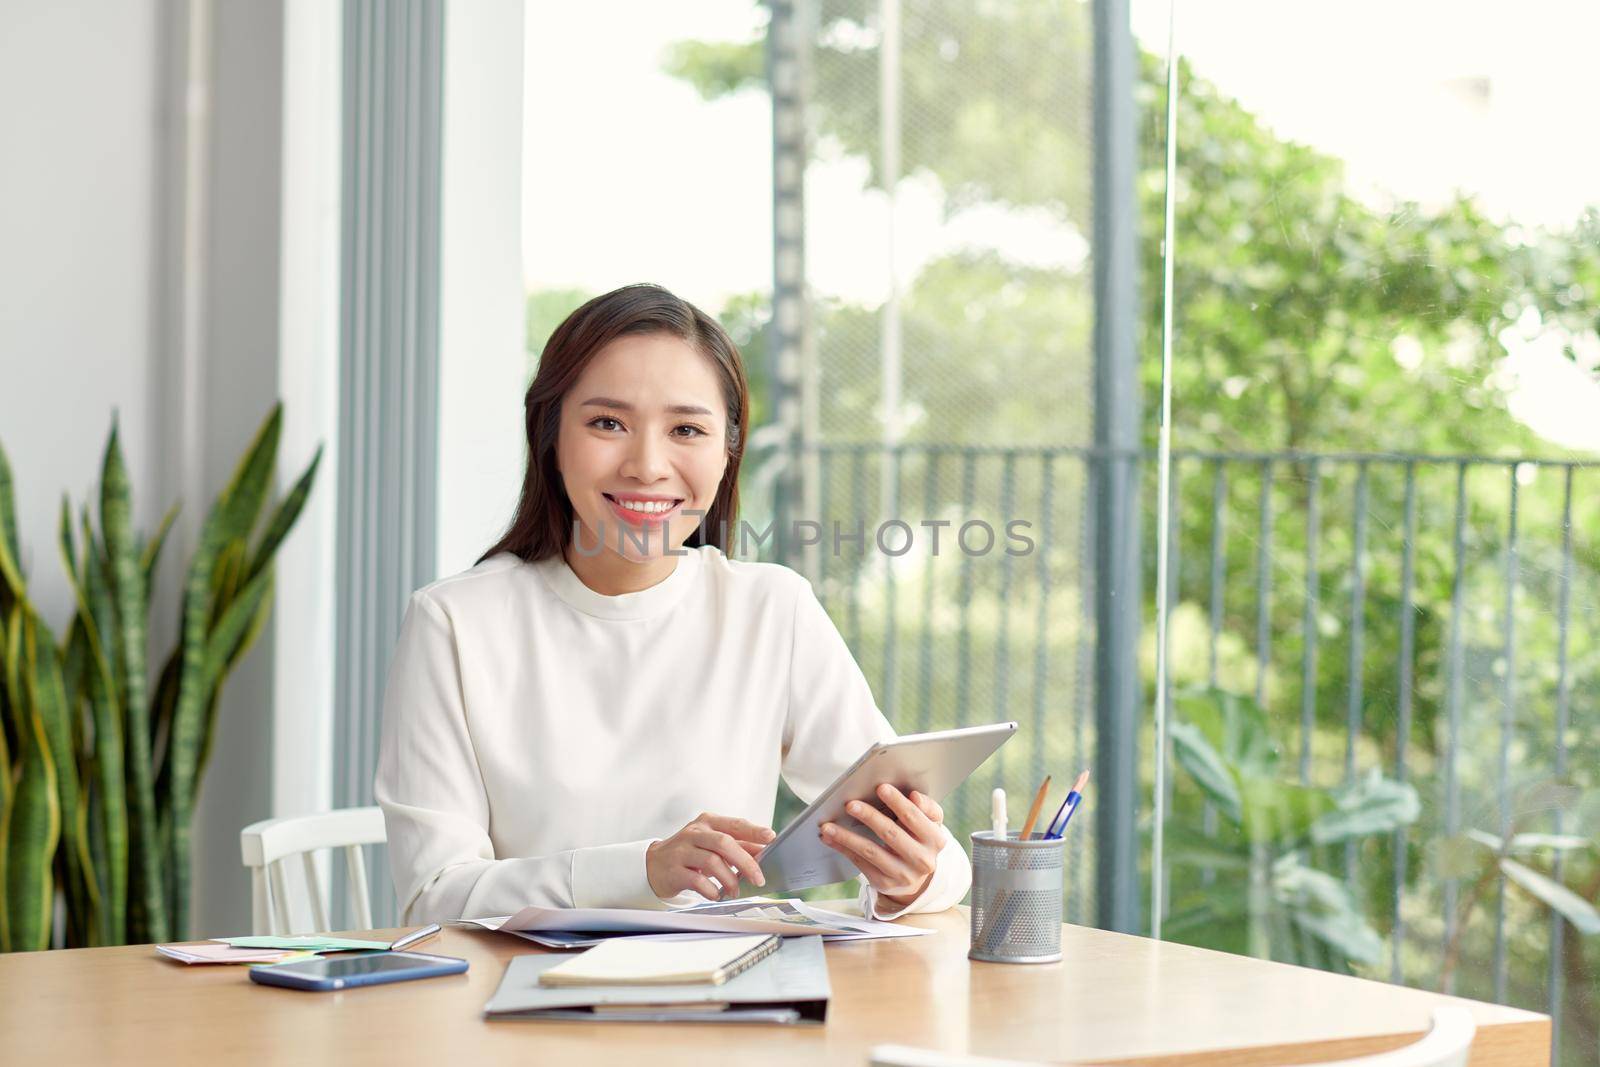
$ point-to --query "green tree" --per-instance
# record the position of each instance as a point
(1291, 292)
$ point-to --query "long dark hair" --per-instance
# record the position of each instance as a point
(543, 523)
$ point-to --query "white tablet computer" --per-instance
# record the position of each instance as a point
(932, 763)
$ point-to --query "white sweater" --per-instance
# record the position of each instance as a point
(538, 736)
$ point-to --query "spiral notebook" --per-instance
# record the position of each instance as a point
(630, 961)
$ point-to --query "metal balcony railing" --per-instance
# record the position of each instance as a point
(1432, 616)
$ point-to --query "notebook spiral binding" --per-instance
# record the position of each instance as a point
(749, 959)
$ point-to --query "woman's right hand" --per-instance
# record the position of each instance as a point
(710, 846)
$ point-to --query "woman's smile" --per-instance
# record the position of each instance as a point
(641, 510)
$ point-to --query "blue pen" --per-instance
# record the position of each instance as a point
(1069, 805)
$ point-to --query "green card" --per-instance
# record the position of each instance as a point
(304, 943)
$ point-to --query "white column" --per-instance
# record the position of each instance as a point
(308, 374)
(483, 369)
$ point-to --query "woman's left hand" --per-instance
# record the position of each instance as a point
(914, 838)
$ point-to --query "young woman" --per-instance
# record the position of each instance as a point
(596, 715)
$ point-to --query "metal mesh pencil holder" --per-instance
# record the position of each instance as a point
(1016, 898)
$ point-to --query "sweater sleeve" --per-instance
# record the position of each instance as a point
(436, 810)
(833, 718)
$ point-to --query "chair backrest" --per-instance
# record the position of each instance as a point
(267, 845)
(1446, 1044)
(908, 1056)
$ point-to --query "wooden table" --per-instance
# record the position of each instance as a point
(1114, 998)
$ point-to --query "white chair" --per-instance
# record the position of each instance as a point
(906, 1056)
(269, 844)
(1446, 1044)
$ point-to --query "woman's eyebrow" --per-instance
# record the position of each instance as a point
(619, 405)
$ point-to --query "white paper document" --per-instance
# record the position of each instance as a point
(752, 915)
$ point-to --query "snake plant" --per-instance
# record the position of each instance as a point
(98, 770)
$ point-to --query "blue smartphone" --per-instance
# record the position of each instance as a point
(366, 968)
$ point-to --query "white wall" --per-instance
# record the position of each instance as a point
(240, 383)
(77, 248)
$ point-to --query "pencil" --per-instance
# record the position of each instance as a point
(1033, 812)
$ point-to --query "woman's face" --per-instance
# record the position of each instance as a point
(643, 441)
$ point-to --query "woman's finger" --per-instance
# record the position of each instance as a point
(889, 832)
(880, 879)
(700, 884)
(858, 847)
(732, 853)
(714, 865)
(743, 829)
(884, 881)
(929, 806)
(913, 818)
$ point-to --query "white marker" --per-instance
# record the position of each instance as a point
(997, 813)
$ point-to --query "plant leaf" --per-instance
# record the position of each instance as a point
(246, 492)
(1563, 901)
(1296, 882)
(48, 696)
(1281, 812)
(1554, 842)
(1195, 754)
(1345, 932)
(1236, 726)
(110, 753)
(1370, 805)
(231, 639)
(187, 718)
(223, 644)
(10, 545)
(1323, 907)
(162, 706)
(284, 517)
(132, 603)
(227, 574)
(13, 669)
(1215, 923)
(1458, 856)
(33, 824)
(1187, 846)
(1492, 842)
(88, 622)
(5, 754)
(151, 555)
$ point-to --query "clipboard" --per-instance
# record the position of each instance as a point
(789, 986)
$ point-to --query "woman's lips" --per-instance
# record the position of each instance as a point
(642, 518)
